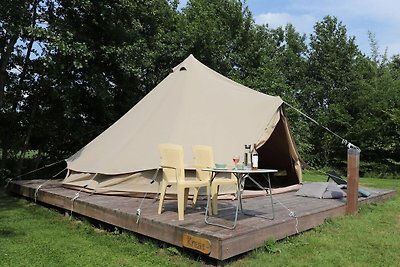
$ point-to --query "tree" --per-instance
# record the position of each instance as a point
(331, 87)
(97, 59)
(68, 69)
(18, 75)
(377, 125)
(219, 33)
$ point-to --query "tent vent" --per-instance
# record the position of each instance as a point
(183, 68)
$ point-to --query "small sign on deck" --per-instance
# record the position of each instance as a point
(196, 243)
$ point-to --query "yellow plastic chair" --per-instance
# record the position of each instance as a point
(174, 174)
(204, 158)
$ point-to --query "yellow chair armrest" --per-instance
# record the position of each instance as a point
(168, 167)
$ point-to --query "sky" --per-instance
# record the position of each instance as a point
(381, 17)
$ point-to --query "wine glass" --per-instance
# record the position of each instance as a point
(236, 159)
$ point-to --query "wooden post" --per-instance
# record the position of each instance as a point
(353, 166)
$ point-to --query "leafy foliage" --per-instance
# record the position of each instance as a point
(69, 69)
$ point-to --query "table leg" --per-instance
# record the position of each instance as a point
(270, 194)
(240, 179)
(206, 217)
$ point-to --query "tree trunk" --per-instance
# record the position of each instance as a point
(23, 74)
(29, 47)
(4, 60)
(28, 134)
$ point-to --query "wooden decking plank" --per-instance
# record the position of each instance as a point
(251, 232)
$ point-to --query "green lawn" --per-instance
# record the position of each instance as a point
(370, 238)
(31, 235)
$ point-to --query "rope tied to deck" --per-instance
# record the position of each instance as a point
(74, 198)
(139, 210)
(77, 194)
(8, 180)
(41, 185)
(291, 214)
(37, 191)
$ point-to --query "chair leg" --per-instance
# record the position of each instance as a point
(186, 197)
(162, 195)
(214, 199)
(181, 203)
(195, 195)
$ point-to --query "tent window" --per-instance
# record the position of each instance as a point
(183, 68)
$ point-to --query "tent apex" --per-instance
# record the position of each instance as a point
(185, 65)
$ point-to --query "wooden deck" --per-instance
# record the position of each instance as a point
(218, 243)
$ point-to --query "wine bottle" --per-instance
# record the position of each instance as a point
(254, 158)
(247, 156)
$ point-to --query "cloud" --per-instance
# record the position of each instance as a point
(299, 12)
(302, 23)
(358, 16)
(384, 10)
(274, 20)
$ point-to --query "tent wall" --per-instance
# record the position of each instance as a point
(193, 105)
(189, 107)
(278, 152)
(133, 184)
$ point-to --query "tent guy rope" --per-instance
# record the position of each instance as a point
(77, 194)
(41, 185)
(344, 141)
(139, 210)
(291, 214)
(8, 180)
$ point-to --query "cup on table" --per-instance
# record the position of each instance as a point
(236, 159)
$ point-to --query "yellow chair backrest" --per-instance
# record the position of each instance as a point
(203, 158)
(172, 161)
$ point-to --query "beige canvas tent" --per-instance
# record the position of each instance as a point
(192, 105)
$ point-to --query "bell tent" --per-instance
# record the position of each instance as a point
(193, 105)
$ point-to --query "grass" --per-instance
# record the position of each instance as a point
(369, 238)
(32, 235)
(30, 154)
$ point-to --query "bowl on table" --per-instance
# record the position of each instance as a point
(220, 165)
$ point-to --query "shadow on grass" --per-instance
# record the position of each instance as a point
(9, 232)
(8, 201)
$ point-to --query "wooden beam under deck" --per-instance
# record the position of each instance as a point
(293, 214)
